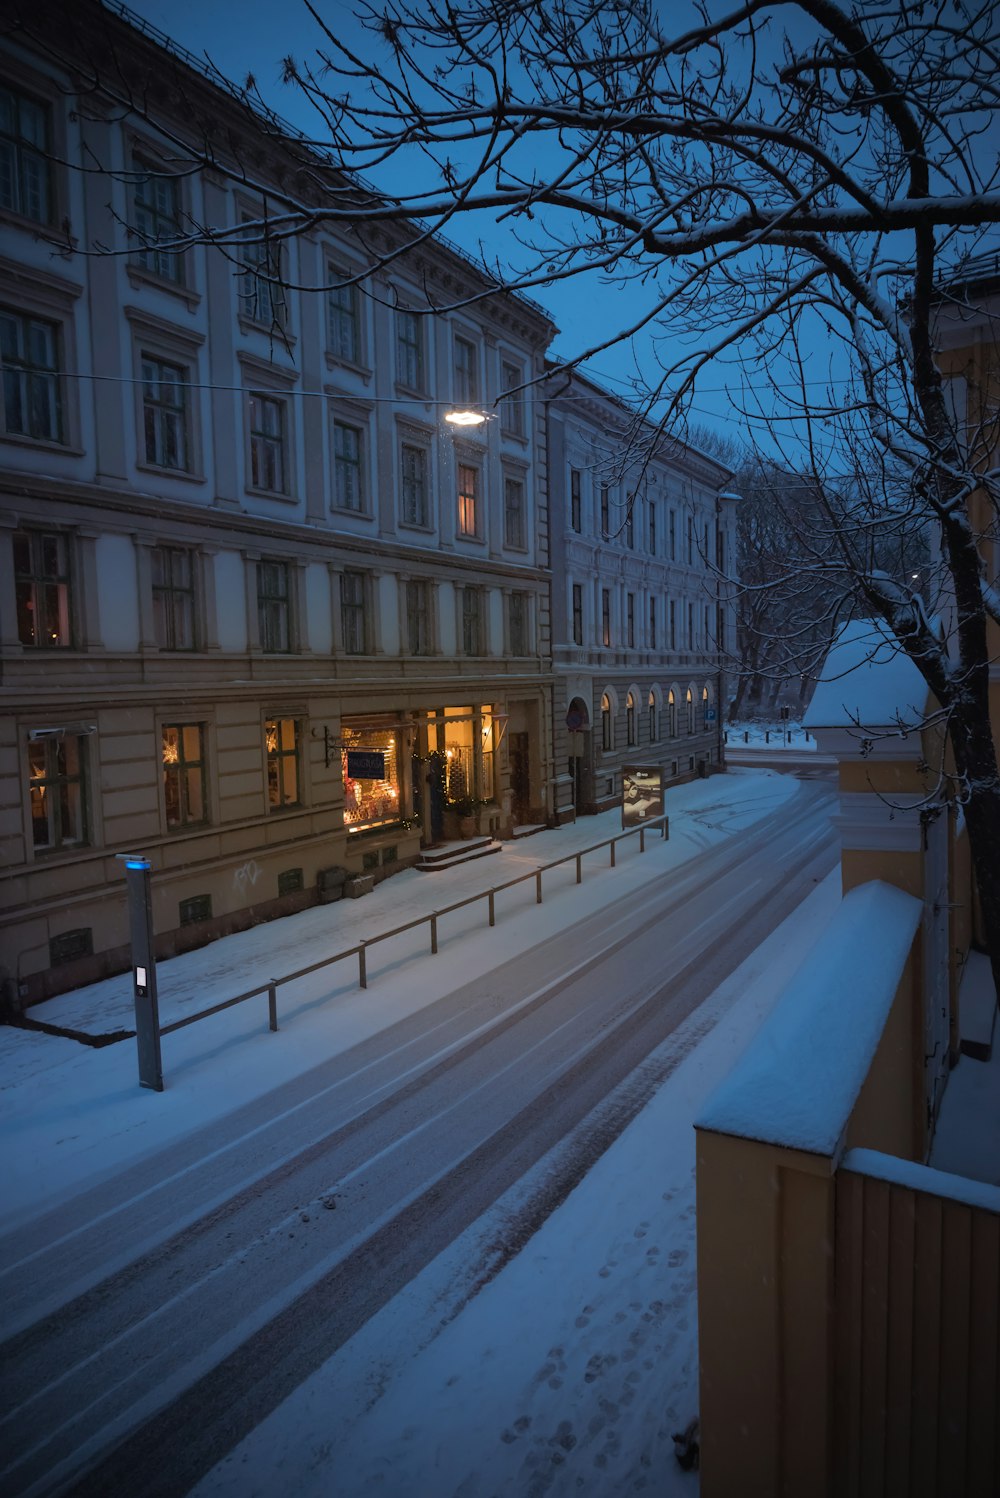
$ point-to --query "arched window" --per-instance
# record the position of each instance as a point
(704, 707)
(630, 719)
(654, 726)
(607, 723)
(689, 699)
(671, 714)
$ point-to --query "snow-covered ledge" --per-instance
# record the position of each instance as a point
(797, 1084)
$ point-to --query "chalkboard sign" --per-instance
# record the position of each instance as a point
(366, 764)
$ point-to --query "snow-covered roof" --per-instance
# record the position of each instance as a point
(867, 680)
(799, 1079)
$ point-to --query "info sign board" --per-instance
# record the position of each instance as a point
(642, 794)
(366, 764)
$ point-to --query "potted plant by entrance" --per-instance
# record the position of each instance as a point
(464, 810)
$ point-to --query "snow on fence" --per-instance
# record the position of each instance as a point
(360, 950)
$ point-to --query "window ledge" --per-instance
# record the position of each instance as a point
(334, 362)
(41, 444)
(139, 276)
(182, 475)
(276, 494)
(346, 510)
(272, 330)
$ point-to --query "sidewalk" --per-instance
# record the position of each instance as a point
(71, 1112)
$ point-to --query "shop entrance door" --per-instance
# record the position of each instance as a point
(520, 777)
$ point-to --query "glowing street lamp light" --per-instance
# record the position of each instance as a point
(465, 418)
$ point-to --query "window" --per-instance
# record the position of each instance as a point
(472, 621)
(630, 524)
(413, 473)
(513, 513)
(517, 623)
(56, 792)
(468, 493)
(418, 617)
(707, 623)
(32, 396)
(630, 720)
(672, 716)
(630, 619)
(704, 707)
(165, 413)
(575, 499)
(577, 614)
(607, 723)
(41, 583)
(274, 606)
(605, 512)
(268, 459)
(654, 730)
(720, 549)
(690, 541)
(466, 372)
(689, 704)
(652, 529)
(173, 597)
(352, 612)
(348, 472)
(370, 768)
(343, 318)
(281, 740)
(512, 406)
(262, 296)
(652, 622)
(410, 350)
(25, 154)
(672, 535)
(605, 616)
(673, 624)
(690, 628)
(184, 774)
(156, 215)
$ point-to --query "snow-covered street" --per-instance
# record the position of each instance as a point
(452, 1217)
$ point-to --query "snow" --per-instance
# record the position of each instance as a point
(866, 680)
(922, 1178)
(570, 1371)
(799, 1080)
(71, 1114)
(967, 1138)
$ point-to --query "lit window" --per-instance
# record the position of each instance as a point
(41, 583)
(184, 774)
(165, 413)
(156, 215)
(672, 716)
(689, 703)
(25, 156)
(348, 475)
(468, 494)
(630, 736)
(56, 792)
(267, 444)
(173, 597)
(32, 397)
(281, 739)
(370, 768)
(654, 728)
(607, 723)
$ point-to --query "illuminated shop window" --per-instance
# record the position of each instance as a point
(371, 776)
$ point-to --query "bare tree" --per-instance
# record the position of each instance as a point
(784, 167)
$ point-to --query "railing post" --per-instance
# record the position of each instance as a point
(579, 868)
(612, 864)
(642, 839)
(538, 887)
(272, 1004)
(492, 911)
(666, 828)
(434, 934)
(362, 967)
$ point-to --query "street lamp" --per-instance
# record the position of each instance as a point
(465, 418)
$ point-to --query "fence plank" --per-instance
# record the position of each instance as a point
(847, 1281)
(956, 1263)
(899, 1369)
(984, 1358)
(926, 1346)
(874, 1331)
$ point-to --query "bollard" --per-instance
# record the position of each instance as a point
(746, 736)
(612, 863)
(272, 1004)
(434, 934)
(767, 736)
(538, 887)
(492, 910)
(362, 967)
(642, 839)
(579, 868)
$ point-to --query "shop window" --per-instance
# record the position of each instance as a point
(41, 585)
(370, 769)
(281, 737)
(56, 788)
(183, 747)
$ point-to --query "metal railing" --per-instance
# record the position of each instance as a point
(431, 919)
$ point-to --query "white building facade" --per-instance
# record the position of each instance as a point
(643, 535)
(263, 612)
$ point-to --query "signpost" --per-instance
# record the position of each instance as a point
(147, 1014)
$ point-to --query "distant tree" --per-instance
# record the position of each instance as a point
(758, 172)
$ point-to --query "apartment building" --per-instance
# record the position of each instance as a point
(264, 611)
(643, 535)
